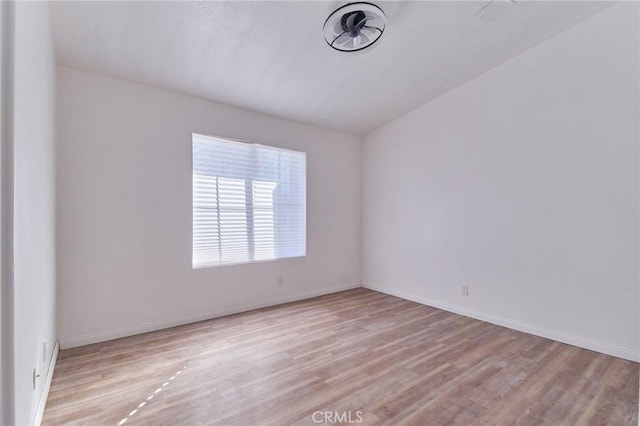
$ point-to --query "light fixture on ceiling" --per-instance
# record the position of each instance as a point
(354, 26)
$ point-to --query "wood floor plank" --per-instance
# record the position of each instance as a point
(391, 360)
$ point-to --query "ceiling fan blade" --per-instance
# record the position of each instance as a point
(372, 31)
(348, 44)
(364, 39)
(341, 39)
(369, 32)
(362, 22)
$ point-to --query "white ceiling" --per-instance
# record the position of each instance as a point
(271, 56)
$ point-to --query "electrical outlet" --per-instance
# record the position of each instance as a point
(465, 290)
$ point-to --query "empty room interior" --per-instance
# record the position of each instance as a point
(320, 212)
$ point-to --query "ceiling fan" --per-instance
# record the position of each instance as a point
(354, 27)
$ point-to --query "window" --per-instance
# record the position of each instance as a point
(249, 202)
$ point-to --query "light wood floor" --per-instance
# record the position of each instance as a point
(396, 361)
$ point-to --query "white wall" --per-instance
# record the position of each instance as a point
(34, 204)
(124, 210)
(524, 185)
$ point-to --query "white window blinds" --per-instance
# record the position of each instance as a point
(249, 202)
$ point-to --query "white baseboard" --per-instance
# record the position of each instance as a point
(104, 335)
(47, 385)
(582, 342)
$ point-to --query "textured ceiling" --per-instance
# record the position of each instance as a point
(271, 56)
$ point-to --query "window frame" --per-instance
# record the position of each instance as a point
(249, 207)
